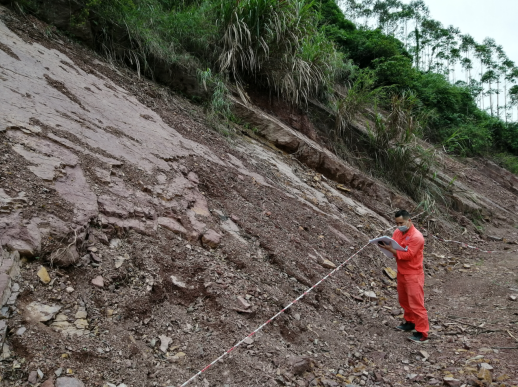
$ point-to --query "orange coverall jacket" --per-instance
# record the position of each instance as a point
(410, 261)
(410, 278)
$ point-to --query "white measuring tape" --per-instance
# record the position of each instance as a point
(274, 317)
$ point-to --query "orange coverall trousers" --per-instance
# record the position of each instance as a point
(410, 289)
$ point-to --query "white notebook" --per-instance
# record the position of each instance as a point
(387, 239)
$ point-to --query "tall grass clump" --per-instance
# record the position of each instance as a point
(218, 105)
(353, 100)
(508, 161)
(277, 45)
(175, 32)
(396, 154)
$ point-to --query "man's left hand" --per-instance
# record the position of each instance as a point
(389, 248)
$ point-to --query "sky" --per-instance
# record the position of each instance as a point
(497, 19)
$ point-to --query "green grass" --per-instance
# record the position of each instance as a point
(508, 161)
(397, 156)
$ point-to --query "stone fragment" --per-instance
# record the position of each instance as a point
(98, 281)
(81, 323)
(211, 239)
(115, 243)
(485, 366)
(495, 238)
(172, 225)
(452, 382)
(96, 258)
(4, 313)
(61, 317)
(164, 343)
(513, 297)
(119, 261)
(389, 272)
(370, 295)
(66, 257)
(248, 340)
(41, 312)
(243, 302)
(177, 282)
(329, 383)
(33, 377)
(6, 352)
(69, 382)
(43, 275)
(326, 263)
(485, 375)
(48, 383)
(300, 364)
(69, 289)
(40, 373)
(467, 266)
(81, 313)
(179, 356)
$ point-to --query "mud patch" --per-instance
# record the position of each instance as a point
(8, 51)
(71, 66)
(60, 86)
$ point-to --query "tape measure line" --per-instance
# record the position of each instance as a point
(274, 317)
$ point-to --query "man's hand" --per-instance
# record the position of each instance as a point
(389, 248)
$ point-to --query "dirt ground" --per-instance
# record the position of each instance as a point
(270, 258)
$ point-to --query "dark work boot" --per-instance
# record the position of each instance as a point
(406, 327)
(419, 338)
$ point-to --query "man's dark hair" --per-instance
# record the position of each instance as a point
(404, 213)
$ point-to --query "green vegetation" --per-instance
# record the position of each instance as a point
(427, 68)
(396, 155)
(392, 64)
(510, 162)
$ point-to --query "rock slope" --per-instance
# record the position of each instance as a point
(138, 244)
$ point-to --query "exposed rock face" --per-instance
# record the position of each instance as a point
(462, 198)
(111, 183)
(211, 239)
(9, 269)
(308, 151)
(125, 135)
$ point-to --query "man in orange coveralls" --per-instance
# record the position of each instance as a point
(410, 277)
